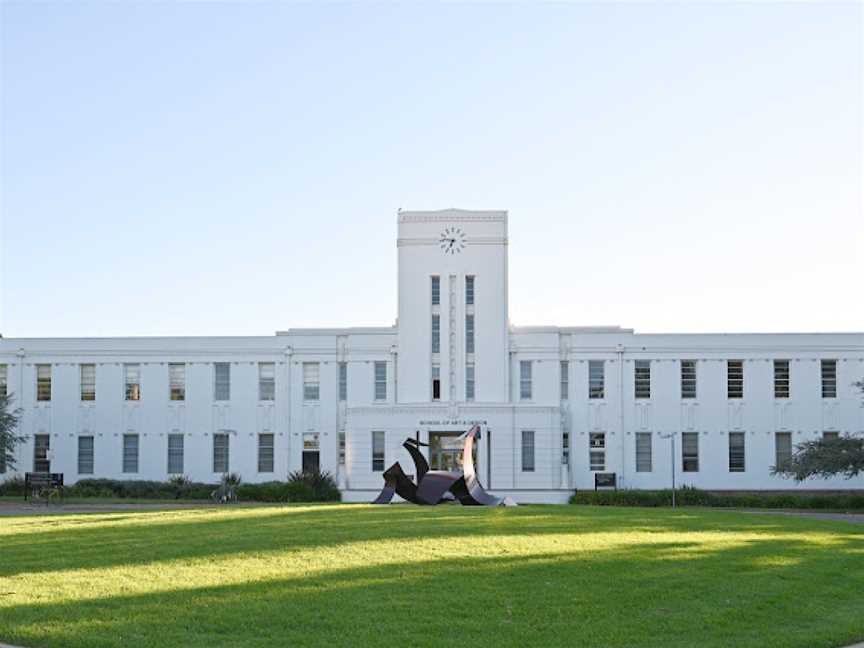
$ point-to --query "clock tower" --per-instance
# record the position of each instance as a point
(453, 327)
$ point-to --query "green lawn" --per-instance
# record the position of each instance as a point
(402, 575)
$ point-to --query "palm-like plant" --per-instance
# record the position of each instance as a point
(9, 419)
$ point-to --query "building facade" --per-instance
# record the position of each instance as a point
(558, 405)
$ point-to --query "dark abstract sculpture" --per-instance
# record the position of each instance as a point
(433, 486)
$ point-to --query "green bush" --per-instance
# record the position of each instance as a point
(689, 496)
(175, 488)
(12, 486)
(312, 487)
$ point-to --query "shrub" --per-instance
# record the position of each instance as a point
(690, 496)
(312, 487)
(12, 486)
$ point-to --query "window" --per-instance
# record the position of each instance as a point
(565, 448)
(43, 382)
(597, 451)
(596, 379)
(132, 380)
(642, 379)
(4, 380)
(469, 290)
(830, 436)
(469, 334)
(2, 456)
(829, 379)
(525, 379)
(565, 380)
(781, 379)
(130, 453)
(311, 381)
(690, 451)
(85, 455)
(527, 451)
(469, 382)
(175, 454)
(222, 381)
(177, 381)
(643, 452)
(436, 334)
(220, 453)
(734, 379)
(782, 449)
(341, 448)
(380, 381)
(267, 381)
(436, 290)
(88, 383)
(41, 447)
(688, 379)
(343, 381)
(265, 453)
(436, 382)
(377, 451)
(736, 452)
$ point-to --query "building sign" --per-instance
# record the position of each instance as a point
(453, 422)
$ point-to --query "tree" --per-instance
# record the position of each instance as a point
(826, 457)
(8, 438)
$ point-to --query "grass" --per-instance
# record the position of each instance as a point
(360, 575)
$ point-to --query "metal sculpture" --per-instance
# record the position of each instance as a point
(433, 486)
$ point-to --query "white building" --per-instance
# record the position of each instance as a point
(558, 404)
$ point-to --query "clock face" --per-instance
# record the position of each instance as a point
(452, 240)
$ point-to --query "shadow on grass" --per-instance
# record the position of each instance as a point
(102, 541)
(645, 594)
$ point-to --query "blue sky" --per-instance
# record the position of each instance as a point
(235, 168)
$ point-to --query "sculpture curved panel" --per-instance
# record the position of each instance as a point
(433, 486)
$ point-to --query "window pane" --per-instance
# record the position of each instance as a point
(220, 453)
(177, 381)
(829, 379)
(266, 381)
(735, 379)
(469, 290)
(436, 291)
(43, 382)
(130, 453)
(643, 452)
(782, 449)
(436, 334)
(781, 379)
(597, 460)
(565, 380)
(85, 455)
(688, 379)
(596, 379)
(311, 381)
(4, 381)
(342, 448)
(690, 451)
(88, 382)
(527, 451)
(525, 386)
(343, 381)
(736, 452)
(222, 381)
(469, 334)
(132, 374)
(377, 451)
(642, 377)
(380, 381)
(175, 454)
(469, 382)
(265, 453)
(41, 446)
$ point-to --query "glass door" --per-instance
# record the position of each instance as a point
(445, 451)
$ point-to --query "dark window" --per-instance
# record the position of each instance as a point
(527, 451)
(736, 452)
(175, 454)
(85, 455)
(688, 379)
(596, 379)
(643, 452)
(690, 451)
(41, 447)
(829, 379)
(642, 378)
(377, 451)
(130, 453)
(781, 379)
(220, 453)
(265, 453)
(735, 379)
(782, 449)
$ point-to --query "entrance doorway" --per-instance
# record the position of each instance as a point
(445, 451)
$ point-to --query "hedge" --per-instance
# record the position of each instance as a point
(300, 488)
(694, 497)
